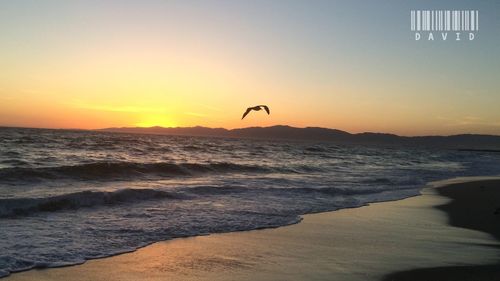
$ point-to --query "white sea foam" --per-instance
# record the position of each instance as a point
(66, 197)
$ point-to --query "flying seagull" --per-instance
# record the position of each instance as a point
(256, 108)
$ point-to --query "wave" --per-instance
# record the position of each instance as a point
(123, 170)
(216, 190)
(400, 181)
(13, 207)
(207, 190)
(334, 191)
(72, 201)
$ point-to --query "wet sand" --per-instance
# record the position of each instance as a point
(419, 235)
(474, 205)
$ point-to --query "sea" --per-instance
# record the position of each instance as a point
(67, 196)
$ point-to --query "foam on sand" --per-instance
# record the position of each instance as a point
(352, 244)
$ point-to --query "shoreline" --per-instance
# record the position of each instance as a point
(239, 254)
(474, 205)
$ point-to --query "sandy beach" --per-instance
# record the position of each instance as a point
(474, 205)
(447, 231)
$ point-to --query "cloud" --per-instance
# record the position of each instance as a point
(210, 107)
(468, 121)
(7, 98)
(195, 114)
(114, 108)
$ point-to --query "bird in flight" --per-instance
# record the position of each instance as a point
(256, 108)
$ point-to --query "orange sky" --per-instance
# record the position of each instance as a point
(82, 65)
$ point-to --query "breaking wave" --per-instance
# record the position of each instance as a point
(73, 201)
(123, 170)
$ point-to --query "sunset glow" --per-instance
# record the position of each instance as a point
(80, 64)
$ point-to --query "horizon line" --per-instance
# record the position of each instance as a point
(278, 125)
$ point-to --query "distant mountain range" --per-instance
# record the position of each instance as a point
(464, 141)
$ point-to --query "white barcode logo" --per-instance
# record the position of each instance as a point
(444, 21)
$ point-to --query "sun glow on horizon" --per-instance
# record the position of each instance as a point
(153, 121)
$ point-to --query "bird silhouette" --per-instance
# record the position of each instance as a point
(256, 108)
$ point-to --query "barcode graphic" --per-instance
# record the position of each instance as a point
(444, 20)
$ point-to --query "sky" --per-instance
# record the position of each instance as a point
(350, 65)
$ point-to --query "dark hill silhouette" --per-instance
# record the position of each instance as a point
(465, 141)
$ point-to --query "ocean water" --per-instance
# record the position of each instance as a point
(68, 196)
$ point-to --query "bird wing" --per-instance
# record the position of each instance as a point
(246, 112)
(266, 108)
